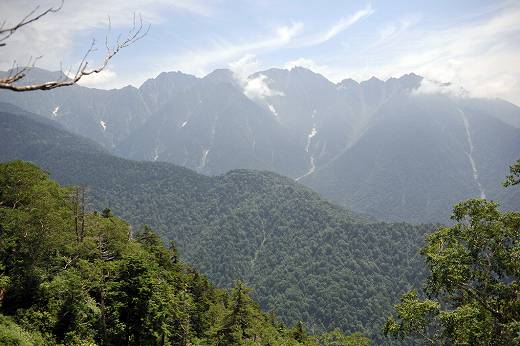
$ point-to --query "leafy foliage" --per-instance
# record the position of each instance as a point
(13, 335)
(514, 177)
(110, 286)
(474, 281)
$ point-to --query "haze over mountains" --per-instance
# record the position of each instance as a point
(391, 149)
(306, 259)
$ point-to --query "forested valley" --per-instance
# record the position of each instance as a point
(262, 238)
(77, 278)
(305, 258)
(259, 173)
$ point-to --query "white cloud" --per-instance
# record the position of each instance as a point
(200, 62)
(482, 57)
(57, 35)
(103, 80)
(245, 66)
(479, 53)
(340, 26)
(257, 87)
(429, 86)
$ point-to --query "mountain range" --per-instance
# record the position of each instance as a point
(385, 148)
(306, 259)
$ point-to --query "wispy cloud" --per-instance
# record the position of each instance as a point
(340, 26)
(393, 30)
(479, 56)
(56, 36)
(479, 53)
(200, 61)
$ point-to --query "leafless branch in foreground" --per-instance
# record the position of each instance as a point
(17, 73)
(5, 33)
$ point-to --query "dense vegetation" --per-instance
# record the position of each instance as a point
(306, 259)
(473, 291)
(78, 278)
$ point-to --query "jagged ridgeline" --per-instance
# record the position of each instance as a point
(73, 277)
(384, 148)
(305, 258)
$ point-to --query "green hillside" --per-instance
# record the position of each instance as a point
(81, 278)
(305, 258)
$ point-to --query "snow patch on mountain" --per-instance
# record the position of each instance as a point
(203, 159)
(273, 110)
(310, 171)
(156, 153)
(312, 165)
(470, 154)
(311, 134)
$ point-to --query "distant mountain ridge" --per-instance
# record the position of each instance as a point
(385, 148)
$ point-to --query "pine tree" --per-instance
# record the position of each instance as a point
(237, 324)
(299, 333)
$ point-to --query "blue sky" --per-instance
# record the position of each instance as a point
(473, 44)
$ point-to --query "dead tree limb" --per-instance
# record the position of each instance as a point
(5, 33)
(16, 74)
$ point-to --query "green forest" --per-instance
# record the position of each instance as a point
(472, 294)
(73, 277)
(309, 262)
(305, 258)
(259, 173)
(319, 268)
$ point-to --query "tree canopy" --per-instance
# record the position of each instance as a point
(113, 285)
(473, 290)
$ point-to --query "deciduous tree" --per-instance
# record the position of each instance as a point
(473, 288)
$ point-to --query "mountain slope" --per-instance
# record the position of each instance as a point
(213, 127)
(305, 258)
(379, 147)
(328, 118)
(68, 283)
(420, 155)
(105, 116)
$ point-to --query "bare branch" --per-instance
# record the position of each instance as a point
(135, 34)
(5, 33)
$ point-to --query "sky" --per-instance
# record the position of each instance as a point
(472, 44)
